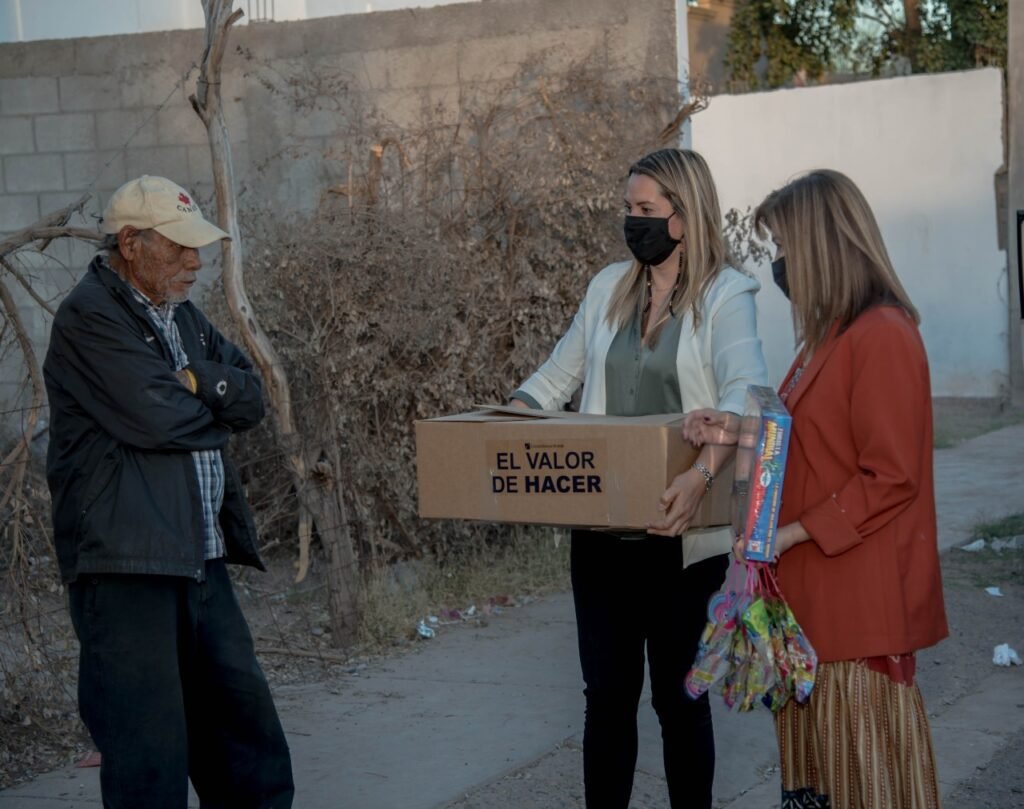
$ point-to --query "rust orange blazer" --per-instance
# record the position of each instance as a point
(859, 478)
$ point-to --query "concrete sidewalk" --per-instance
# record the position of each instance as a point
(422, 730)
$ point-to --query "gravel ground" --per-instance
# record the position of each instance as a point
(946, 673)
(1000, 785)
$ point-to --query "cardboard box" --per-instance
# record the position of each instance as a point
(760, 471)
(504, 464)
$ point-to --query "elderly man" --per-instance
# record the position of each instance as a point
(147, 509)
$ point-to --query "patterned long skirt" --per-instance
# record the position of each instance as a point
(862, 741)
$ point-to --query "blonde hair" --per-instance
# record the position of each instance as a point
(684, 179)
(836, 262)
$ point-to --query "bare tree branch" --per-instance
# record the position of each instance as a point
(700, 91)
(27, 285)
(207, 103)
(52, 226)
(670, 132)
(48, 228)
(219, 18)
(315, 474)
(24, 449)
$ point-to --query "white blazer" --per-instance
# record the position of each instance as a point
(715, 364)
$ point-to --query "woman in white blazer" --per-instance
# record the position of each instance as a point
(674, 330)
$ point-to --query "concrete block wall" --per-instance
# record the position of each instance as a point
(401, 63)
(66, 116)
(85, 115)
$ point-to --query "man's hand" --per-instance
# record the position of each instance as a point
(679, 503)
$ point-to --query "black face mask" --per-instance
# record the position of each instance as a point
(779, 274)
(648, 238)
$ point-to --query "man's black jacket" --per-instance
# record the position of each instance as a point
(122, 429)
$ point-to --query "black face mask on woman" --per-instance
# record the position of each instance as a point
(779, 275)
(648, 238)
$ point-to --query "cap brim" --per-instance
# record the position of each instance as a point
(196, 232)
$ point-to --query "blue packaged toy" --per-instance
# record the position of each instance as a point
(760, 469)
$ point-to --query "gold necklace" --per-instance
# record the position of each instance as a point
(650, 294)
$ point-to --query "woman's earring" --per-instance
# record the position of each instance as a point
(672, 296)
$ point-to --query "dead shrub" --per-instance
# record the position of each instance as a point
(437, 276)
(38, 654)
(39, 723)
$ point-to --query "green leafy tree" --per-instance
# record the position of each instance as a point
(771, 42)
(778, 42)
(972, 33)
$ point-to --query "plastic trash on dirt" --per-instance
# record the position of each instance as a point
(1003, 655)
(90, 759)
(994, 591)
(425, 631)
(1008, 544)
(972, 547)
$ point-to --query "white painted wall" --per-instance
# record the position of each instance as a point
(924, 150)
(25, 20)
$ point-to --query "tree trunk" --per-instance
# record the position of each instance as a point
(315, 479)
(912, 31)
(330, 510)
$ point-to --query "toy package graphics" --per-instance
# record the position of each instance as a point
(760, 469)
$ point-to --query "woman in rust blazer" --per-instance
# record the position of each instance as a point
(857, 545)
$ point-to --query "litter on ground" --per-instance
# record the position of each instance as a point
(1008, 544)
(1003, 655)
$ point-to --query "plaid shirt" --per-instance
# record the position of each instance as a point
(209, 463)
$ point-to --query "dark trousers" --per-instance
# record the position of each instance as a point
(170, 690)
(632, 594)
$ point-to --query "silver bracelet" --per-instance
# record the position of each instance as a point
(709, 479)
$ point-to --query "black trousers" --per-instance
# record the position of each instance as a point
(170, 689)
(632, 595)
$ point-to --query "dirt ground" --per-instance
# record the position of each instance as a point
(289, 626)
(978, 622)
(946, 673)
(39, 726)
(961, 418)
(999, 786)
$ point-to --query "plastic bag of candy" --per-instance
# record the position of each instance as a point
(716, 653)
(752, 644)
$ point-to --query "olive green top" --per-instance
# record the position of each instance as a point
(643, 380)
